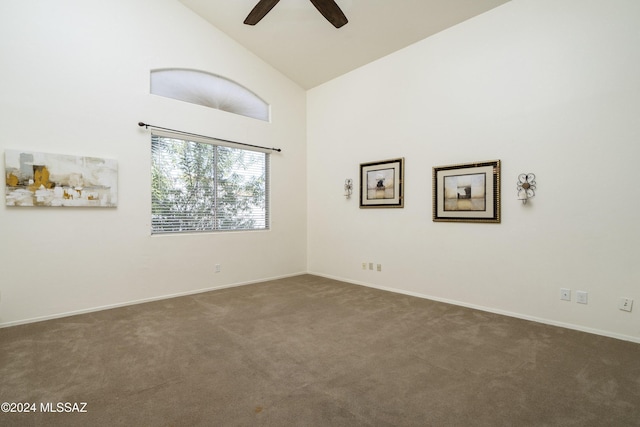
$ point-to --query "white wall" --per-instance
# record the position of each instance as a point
(546, 86)
(74, 80)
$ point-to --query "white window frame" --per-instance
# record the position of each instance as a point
(166, 216)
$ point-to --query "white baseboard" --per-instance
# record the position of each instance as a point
(141, 301)
(355, 282)
(489, 309)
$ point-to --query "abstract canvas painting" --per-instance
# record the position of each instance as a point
(44, 179)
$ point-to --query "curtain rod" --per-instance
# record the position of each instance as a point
(147, 126)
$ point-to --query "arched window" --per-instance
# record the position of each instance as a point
(210, 90)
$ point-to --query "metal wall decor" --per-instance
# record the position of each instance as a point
(526, 187)
(348, 188)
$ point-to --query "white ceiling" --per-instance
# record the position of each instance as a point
(297, 40)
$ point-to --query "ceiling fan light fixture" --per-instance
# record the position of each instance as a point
(328, 8)
(259, 11)
(331, 11)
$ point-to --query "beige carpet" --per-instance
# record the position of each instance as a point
(308, 351)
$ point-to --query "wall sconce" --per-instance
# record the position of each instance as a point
(526, 186)
(348, 188)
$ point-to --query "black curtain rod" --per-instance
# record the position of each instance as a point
(147, 126)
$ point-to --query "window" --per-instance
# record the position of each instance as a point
(197, 186)
(209, 90)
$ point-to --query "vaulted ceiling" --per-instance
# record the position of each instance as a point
(297, 40)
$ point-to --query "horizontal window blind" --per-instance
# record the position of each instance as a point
(198, 186)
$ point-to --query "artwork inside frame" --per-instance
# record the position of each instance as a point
(59, 180)
(382, 184)
(468, 192)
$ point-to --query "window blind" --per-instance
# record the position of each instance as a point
(199, 186)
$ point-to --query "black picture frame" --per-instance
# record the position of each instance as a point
(382, 184)
(467, 192)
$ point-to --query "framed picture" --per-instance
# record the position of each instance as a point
(45, 179)
(467, 192)
(382, 184)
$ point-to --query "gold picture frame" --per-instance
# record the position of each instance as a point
(467, 192)
(382, 184)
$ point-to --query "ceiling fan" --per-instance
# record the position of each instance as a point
(328, 8)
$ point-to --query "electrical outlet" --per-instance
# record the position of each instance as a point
(379, 267)
(370, 266)
(364, 265)
(565, 294)
(218, 268)
(626, 304)
(581, 297)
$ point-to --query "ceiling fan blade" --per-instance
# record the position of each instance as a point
(259, 11)
(330, 10)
